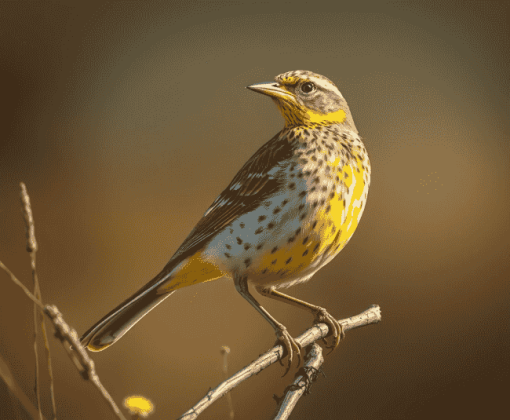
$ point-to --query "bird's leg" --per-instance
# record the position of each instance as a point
(282, 335)
(321, 315)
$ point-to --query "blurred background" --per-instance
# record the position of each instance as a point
(126, 119)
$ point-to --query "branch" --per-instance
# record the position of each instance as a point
(301, 385)
(38, 314)
(67, 335)
(16, 391)
(371, 316)
(225, 350)
(78, 354)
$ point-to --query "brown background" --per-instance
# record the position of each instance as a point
(126, 119)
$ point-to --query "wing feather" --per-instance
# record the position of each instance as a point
(256, 181)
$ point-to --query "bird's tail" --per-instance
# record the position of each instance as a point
(120, 320)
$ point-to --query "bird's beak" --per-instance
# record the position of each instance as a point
(271, 89)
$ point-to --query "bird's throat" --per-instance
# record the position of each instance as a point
(296, 115)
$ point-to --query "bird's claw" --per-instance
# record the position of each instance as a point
(336, 329)
(289, 346)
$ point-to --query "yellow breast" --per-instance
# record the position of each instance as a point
(341, 216)
(329, 228)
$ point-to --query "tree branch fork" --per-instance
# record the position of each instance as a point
(319, 331)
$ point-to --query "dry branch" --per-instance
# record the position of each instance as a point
(319, 331)
(67, 335)
(301, 385)
(85, 365)
(38, 314)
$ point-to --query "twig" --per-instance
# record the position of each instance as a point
(66, 334)
(38, 316)
(23, 287)
(78, 354)
(301, 385)
(225, 350)
(371, 316)
(16, 391)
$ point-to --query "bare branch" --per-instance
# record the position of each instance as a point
(68, 335)
(17, 393)
(371, 316)
(38, 316)
(23, 287)
(225, 351)
(301, 385)
(78, 354)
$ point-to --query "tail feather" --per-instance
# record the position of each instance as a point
(179, 272)
(121, 319)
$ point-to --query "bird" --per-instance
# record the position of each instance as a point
(288, 212)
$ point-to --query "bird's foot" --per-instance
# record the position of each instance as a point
(335, 328)
(290, 346)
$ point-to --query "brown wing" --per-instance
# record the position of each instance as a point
(252, 185)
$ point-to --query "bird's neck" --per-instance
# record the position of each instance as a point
(306, 118)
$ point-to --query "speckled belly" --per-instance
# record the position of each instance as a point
(333, 217)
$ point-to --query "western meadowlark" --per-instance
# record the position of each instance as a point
(290, 209)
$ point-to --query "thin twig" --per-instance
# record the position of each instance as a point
(78, 354)
(371, 316)
(301, 385)
(32, 248)
(23, 287)
(16, 391)
(225, 351)
(67, 336)
(38, 314)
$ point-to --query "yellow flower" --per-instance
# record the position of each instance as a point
(136, 404)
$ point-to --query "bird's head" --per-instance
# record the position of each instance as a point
(307, 99)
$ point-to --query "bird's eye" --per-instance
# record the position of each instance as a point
(308, 87)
